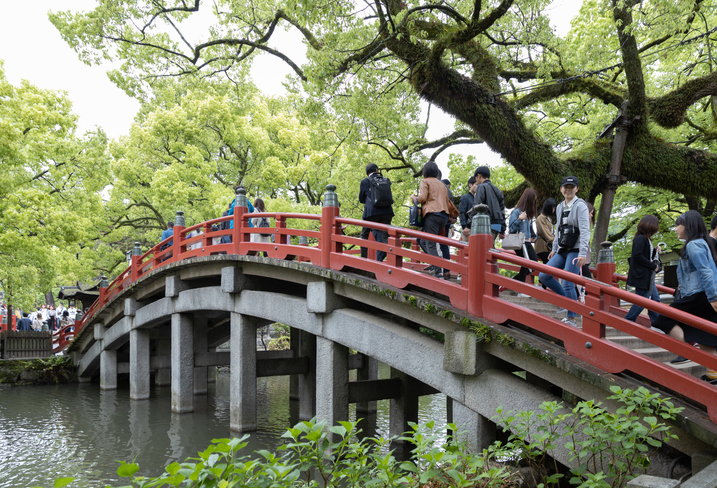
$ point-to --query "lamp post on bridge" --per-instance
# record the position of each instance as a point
(241, 206)
(329, 213)
(479, 244)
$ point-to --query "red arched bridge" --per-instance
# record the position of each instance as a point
(380, 310)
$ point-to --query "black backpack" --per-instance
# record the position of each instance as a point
(264, 222)
(380, 194)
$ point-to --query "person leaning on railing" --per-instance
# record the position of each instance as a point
(696, 274)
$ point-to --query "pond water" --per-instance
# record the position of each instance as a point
(78, 430)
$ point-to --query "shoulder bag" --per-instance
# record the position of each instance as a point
(513, 242)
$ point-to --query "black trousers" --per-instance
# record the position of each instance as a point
(378, 235)
(524, 272)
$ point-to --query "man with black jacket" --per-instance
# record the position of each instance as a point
(489, 194)
(465, 205)
(382, 215)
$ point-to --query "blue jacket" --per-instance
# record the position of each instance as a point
(369, 210)
(231, 212)
(516, 225)
(167, 233)
(696, 271)
(24, 324)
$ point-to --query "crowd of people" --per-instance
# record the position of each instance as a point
(54, 318)
(561, 233)
(258, 206)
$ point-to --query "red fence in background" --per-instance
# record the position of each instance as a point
(476, 293)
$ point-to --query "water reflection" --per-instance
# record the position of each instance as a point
(79, 430)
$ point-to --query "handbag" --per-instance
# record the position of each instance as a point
(514, 242)
(415, 217)
(453, 212)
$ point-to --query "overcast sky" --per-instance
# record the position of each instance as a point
(33, 50)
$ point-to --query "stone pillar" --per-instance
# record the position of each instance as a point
(477, 431)
(307, 382)
(200, 347)
(182, 363)
(242, 390)
(108, 369)
(369, 371)
(163, 377)
(139, 364)
(332, 381)
(404, 409)
(295, 343)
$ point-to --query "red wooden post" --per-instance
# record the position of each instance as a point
(606, 269)
(329, 213)
(283, 238)
(177, 236)
(240, 208)
(103, 290)
(135, 263)
(394, 242)
(479, 244)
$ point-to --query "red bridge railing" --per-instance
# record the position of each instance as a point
(476, 293)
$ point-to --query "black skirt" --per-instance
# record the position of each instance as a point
(698, 305)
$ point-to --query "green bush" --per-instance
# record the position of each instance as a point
(611, 449)
(320, 456)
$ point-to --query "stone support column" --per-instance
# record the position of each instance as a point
(369, 371)
(332, 381)
(477, 431)
(182, 363)
(242, 391)
(200, 347)
(108, 369)
(295, 343)
(404, 409)
(307, 382)
(139, 364)
(163, 377)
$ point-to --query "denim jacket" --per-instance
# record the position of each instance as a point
(696, 271)
(516, 225)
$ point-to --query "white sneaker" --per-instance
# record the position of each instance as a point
(523, 295)
(561, 311)
(569, 321)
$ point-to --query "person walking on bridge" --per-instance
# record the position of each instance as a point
(644, 263)
(433, 195)
(572, 243)
(464, 207)
(696, 274)
(489, 194)
(375, 195)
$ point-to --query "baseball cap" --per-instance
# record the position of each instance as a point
(570, 180)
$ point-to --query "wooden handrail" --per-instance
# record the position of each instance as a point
(476, 294)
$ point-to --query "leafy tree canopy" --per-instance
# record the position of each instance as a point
(50, 204)
(470, 59)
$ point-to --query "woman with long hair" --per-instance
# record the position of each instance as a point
(696, 275)
(259, 207)
(521, 220)
(433, 196)
(644, 263)
(544, 224)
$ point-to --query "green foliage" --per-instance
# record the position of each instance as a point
(53, 369)
(50, 207)
(610, 448)
(317, 455)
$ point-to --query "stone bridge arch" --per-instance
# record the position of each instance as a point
(170, 322)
